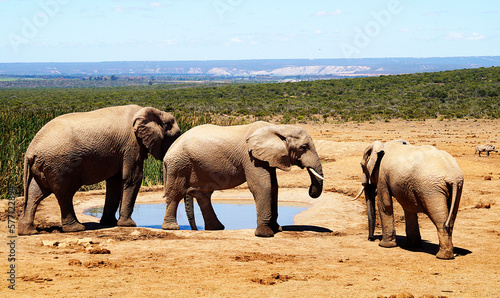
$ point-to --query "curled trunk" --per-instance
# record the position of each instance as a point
(316, 182)
(370, 193)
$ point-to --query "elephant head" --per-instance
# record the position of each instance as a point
(370, 164)
(157, 130)
(285, 145)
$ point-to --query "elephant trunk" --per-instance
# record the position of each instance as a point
(370, 193)
(316, 175)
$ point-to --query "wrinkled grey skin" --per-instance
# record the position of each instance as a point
(85, 148)
(485, 148)
(209, 158)
(422, 179)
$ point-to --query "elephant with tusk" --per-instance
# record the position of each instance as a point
(422, 179)
(85, 148)
(209, 157)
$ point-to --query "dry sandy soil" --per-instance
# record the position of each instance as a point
(326, 252)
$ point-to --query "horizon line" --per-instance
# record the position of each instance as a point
(250, 59)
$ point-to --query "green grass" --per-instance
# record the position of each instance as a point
(473, 93)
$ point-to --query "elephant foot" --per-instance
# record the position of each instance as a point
(214, 227)
(26, 229)
(264, 231)
(109, 222)
(276, 228)
(388, 243)
(126, 222)
(74, 227)
(170, 226)
(445, 254)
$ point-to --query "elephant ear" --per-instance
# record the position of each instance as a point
(371, 161)
(267, 144)
(147, 127)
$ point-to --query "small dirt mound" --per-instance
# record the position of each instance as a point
(272, 280)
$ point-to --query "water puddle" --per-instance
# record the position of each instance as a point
(235, 215)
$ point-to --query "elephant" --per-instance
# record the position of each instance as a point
(209, 157)
(79, 149)
(485, 148)
(422, 179)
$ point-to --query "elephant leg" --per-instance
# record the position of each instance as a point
(204, 201)
(412, 230)
(174, 193)
(132, 179)
(445, 244)
(68, 217)
(259, 182)
(114, 189)
(386, 212)
(35, 195)
(438, 214)
(274, 204)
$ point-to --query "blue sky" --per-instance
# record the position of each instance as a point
(152, 30)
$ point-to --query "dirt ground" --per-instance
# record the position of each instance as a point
(324, 254)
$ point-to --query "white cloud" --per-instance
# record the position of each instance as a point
(435, 13)
(462, 36)
(319, 32)
(157, 4)
(404, 30)
(454, 36)
(170, 42)
(119, 8)
(475, 36)
(336, 12)
(232, 41)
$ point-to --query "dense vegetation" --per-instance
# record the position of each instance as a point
(472, 93)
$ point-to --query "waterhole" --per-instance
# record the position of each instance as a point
(233, 215)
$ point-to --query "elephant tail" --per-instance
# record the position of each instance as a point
(189, 206)
(454, 201)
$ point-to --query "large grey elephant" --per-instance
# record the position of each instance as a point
(422, 179)
(209, 158)
(485, 148)
(85, 148)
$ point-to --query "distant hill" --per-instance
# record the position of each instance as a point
(284, 68)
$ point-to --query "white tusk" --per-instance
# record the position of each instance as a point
(359, 194)
(316, 174)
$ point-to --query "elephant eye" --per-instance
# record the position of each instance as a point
(303, 147)
(167, 125)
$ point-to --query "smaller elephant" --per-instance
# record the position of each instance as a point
(85, 148)
(422, 179)
(485, 148)
(209, 157)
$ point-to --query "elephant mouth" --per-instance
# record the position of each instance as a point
(312, 171)
(316, 183)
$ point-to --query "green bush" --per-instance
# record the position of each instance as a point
(470, 93)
